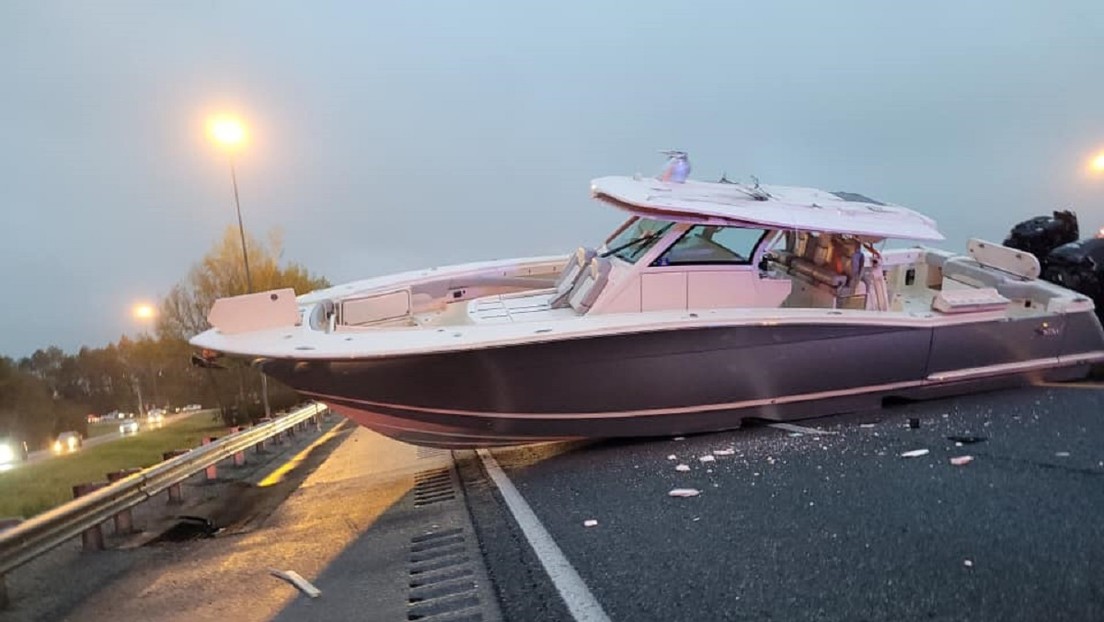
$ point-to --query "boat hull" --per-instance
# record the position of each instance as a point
(663, 382)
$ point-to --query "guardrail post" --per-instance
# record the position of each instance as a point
(124, 520)
(260, 446)
(239, 457)
(92, 538)
(6, 523)
(211, 472)
(176, 491)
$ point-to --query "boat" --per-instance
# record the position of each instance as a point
(712, 303)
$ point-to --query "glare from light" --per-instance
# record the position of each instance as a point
(144, 311)
(7, 454)
(1097, 163)
(226, 131)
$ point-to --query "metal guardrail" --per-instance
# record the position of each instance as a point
(42, 533)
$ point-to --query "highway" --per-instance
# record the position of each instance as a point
(828, 520)
(46, 454)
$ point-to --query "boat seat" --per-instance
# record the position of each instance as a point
(972, 273)
(594, 278)
(576, 265)
(969, 301)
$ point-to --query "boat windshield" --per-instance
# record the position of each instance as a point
(633, 241)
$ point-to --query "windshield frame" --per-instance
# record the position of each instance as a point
(635, 238)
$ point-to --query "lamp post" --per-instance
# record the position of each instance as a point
(230, 133)
(143, 312)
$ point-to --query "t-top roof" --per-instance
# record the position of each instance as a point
(781, 207)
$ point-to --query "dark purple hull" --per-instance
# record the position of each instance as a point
(684, 381)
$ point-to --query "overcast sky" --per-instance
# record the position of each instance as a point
(398, 135)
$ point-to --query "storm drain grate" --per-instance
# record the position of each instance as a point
(431, 452)
(433, 487)
(442, 581)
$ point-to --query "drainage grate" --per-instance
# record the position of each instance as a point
(431, 452)
(442, 581)
(433, 487)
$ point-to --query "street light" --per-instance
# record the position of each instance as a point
(143, 311)
(1097, 163)
(230, 134)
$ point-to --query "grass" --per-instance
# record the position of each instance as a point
(35, 488)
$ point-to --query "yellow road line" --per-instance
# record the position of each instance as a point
(277, 476)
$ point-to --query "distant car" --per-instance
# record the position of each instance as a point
(67, 442)
(155, 416)
(129, 427)
(13, 451)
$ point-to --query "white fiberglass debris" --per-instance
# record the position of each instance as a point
(590, 522)
(297, 580)
(866, 425)
(724, 452)
(672, 457)
(1062, 454)
(961, 460)
(682, 467)
(684, 492)
(915, 453)
(707, 458)
(968, 564)
(680, 438)
(795, 434)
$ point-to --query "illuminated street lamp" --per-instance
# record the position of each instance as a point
(229, 133)
(143, 311)
(1097, 163)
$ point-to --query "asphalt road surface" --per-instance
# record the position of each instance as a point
(834, 526)
(825, 521)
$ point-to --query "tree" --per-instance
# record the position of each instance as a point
(221, 273)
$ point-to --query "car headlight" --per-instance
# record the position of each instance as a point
(72, 442)
(57, 445)
(7, 454)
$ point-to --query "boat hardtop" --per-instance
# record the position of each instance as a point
(732, 204)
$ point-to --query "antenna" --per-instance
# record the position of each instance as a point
(677, 168)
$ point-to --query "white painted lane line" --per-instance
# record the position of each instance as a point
(799, 428)
(576, 595)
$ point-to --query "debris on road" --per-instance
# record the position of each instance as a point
(682, 467)
(590, 522)
(724, 452)
(672, 457)
(297, 580)
(789, 427)
(1062, 454)
(967, 440)
(968, 563)
(867, 425)
(962, 460)
(707, 458)
(684, 492)
(680, 438)
(915, 453)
